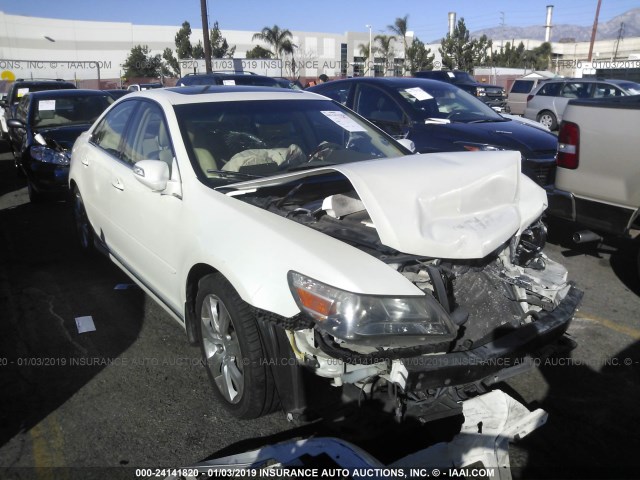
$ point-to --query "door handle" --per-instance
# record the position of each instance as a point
(117, 184)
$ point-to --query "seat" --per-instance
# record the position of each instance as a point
(201, 142)
(158, 146)
(276, 130)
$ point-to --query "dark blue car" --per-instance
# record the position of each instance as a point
(440, 117)
(44, 129)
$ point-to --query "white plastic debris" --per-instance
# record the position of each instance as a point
(491, 421)
(85, 324)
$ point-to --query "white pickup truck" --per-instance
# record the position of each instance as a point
(598, 177)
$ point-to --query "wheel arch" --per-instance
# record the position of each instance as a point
(196, 273)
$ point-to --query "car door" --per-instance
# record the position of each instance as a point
(96, 158)
(569, 91)
(380, 108)
(146, 224)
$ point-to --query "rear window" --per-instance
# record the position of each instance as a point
(203, 80)
(253, 80)
(522, 86)
(21, 90)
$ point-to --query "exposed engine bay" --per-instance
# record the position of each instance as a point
(479, 301)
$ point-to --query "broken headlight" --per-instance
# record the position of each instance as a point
(373, 320)
(48, 155)
(532, 240)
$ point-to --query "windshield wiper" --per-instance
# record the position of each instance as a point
(437, 121)
(228, 174)
(488, 120)
(310, 165)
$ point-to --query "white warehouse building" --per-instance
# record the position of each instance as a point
(92, 53)
(80, 50)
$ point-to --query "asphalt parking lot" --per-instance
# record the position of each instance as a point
(132, 393)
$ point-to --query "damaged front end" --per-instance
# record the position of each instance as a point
(473, 322)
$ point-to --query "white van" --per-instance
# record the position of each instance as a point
(521, 88)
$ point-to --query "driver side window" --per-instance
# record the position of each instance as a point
(377, 105)
(108, 134)
(149, 138)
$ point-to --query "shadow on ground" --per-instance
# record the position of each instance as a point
(623, 251)
(42, 291)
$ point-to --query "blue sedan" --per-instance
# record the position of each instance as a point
(439, 117)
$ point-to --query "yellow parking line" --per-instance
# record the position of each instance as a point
(629, 331)
(47, 442)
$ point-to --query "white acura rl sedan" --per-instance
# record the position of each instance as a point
(292, 240)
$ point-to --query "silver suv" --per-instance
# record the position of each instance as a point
(546, 103)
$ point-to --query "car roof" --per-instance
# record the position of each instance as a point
(221, 93)
(38, 81)
(220, 72)
(590, 80)
(72, 92)
(392, 82)
(227, 76)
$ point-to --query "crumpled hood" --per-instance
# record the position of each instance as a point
(457, 205)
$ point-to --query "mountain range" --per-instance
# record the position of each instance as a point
(569, 33)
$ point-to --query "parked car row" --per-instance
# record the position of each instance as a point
(546, 100)
(17, 90)
(41, 124)
(43, 130)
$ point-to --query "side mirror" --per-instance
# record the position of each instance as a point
(152, 173)
(15, 123)
(408, 144)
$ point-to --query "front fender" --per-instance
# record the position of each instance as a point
(255, 249)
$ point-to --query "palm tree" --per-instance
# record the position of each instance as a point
(385, 49)
(400, 27)
(278, 39)
(364, 53)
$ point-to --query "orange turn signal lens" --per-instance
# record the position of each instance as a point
(321, 306)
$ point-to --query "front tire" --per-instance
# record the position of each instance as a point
(232, 350)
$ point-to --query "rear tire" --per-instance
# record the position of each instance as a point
(548, 119)
(232, 349)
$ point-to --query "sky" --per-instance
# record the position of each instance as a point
(427, 18)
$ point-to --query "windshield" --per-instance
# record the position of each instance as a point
(445, 103)
(72, 110)
(231, 141)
